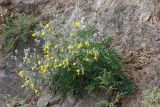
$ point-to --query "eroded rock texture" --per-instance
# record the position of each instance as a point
(134, 25)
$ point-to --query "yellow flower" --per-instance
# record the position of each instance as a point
(43, 33)
(44, 71)
(21, 74)
(32, 85)
(79, 45)
(36, 91)
(34, 35)
(95, 58)
(87, 59)
(74, 64)
(60, 64)
(77, 24)
(47, 52)
(39, 62)
(71, 34)
(78, 72)
(55, 60)
(89, 52)
(70, 47)
(56, 46)
(41, 68)
(32, 69)
(46, 47)
(47, 26)
(87, 43)
(62, 50)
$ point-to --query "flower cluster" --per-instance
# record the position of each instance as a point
(68, 61)
(28, 82)
(72, 50)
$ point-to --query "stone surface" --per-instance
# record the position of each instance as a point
(133, 24)
(43, 101)
(5, 2)
(69, 102)
(47, 100)
(1, 103)
(10, 82)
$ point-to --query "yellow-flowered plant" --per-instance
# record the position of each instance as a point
(77, 24)
(72, 62)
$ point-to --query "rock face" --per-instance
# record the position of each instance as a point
(134, 25)
(58, 100)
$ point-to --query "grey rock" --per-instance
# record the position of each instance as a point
(2, 66)
(69, 102)
(0, 46)
(43, 101)
(55, 99)
(5, 2)
(27, 1)
(134, 26)
(2, 103)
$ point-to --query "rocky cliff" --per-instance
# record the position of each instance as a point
(133, 24)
